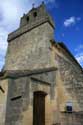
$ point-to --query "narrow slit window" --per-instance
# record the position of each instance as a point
(2, 89)
(16, 98)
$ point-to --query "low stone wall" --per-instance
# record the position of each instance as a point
(74, 118)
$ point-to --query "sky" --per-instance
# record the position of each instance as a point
(67, 16)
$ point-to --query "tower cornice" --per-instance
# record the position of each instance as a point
(29, 27)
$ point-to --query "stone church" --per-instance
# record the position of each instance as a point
(41, 82)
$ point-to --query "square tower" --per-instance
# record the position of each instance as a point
(30, 70)
(29, 45)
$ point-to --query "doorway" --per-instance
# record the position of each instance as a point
(39, 108)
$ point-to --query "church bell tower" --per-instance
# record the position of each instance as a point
(29, 46)
(30, 70)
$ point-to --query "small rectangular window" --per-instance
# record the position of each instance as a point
(69, 108)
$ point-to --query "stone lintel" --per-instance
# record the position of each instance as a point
(41, 81)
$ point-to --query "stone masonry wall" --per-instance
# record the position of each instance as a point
(70, 88)
(30, 50)
(72, 81)
(20, 110)
(3, 100)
